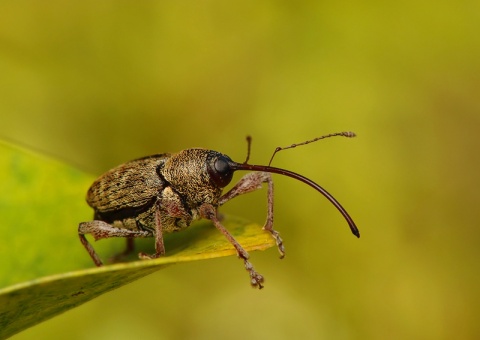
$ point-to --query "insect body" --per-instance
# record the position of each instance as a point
(163, 193)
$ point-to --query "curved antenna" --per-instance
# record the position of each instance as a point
(244, 166)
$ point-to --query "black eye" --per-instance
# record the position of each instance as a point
(221, 165)
(220, 171)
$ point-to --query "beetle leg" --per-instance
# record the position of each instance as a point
(251, 182)
(101, 229)
(209, 212)
(159, 245)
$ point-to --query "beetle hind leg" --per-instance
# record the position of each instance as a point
(100, 229)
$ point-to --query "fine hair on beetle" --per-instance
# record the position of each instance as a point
(163, 193)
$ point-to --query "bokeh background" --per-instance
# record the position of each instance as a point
(98, 83)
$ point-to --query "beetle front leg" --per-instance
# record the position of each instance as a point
(209, 212)
(101, 229)
(251, 182)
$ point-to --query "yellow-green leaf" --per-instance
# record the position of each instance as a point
(44, 268)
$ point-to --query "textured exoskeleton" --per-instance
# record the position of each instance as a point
(163, 193)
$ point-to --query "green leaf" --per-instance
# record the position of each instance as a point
(44, 268)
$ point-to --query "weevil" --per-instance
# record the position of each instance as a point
(163, 193)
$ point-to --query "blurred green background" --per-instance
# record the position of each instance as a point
(99, 83)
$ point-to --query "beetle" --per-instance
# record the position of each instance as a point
(163, 193)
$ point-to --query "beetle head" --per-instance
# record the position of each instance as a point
(199, 175)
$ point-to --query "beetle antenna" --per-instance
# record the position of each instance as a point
(249, 144)
(344, 134)
(251, 167)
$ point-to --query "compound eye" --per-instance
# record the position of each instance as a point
(221, 165)
(220, 171)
